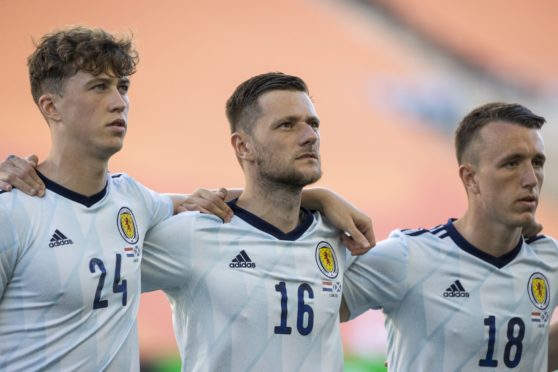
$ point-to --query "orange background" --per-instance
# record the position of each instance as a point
(395, 166)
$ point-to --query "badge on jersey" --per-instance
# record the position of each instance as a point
(539, 291)
(326, 260)
(127, 225)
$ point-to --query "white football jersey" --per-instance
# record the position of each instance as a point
(70, 276)
(451, 307)
(246, 296)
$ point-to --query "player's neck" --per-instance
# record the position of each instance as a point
(492, 238)
(85, 177)
(279, 207)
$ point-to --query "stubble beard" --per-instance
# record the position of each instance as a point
(272, 177)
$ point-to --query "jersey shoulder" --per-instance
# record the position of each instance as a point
(185, 222)
(122, 180)
(438, 232)
(543, 243)
(321, 221)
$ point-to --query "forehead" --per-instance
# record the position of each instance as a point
(500, 139)
(280, 103)
(83, 77)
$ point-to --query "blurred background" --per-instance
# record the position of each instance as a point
(390, 80)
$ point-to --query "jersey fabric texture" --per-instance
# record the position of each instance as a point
(246, 296)
(70, 276)
(451, 307)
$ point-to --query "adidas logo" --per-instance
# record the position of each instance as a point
(242, 260)
(59, 239)
(456, 290)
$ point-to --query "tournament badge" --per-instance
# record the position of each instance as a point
(539, 294)
(127, 225)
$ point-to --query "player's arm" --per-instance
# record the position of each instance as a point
(553, 347)
(343, 311)
(8, 250)
(359, 235)
(377, 279)
(20, 173)
(205, 201)
(166, 261)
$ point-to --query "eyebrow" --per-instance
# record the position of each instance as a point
(106, 79)
(313, 119)
(519, 156)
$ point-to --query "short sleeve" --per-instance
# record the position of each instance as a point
(377, 279)
(8, 250)
(166, 253)
(160, 206)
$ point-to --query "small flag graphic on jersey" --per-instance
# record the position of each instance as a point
(333, 287)
(58, 238)
(129, 252)
(242, 260)
(539, 316)
(456, 289)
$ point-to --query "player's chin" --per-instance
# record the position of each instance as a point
(113, 146)
(312, 176)
(525, 219)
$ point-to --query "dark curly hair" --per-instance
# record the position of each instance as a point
(62, 54)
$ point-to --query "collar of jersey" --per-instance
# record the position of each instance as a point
(268, 228)
(88, 201)
(499, 262)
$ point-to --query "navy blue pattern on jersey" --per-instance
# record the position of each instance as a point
(88, 201)
(499, 262)
(258, 223)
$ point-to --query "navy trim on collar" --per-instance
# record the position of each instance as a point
(499, 262)
(88, 201)
(534, 239)
(268, 228)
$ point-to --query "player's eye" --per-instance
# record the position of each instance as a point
(123, 88)
(99, 87)
(538, 163)
(511, 164)
(286, 124)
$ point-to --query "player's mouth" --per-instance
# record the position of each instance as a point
(118, 125)
(308, 155)
(530, 201)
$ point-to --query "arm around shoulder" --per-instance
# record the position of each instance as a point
(357, 226)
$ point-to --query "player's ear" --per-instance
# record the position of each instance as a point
(48, 105)
(468, 175)
(242, 146)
